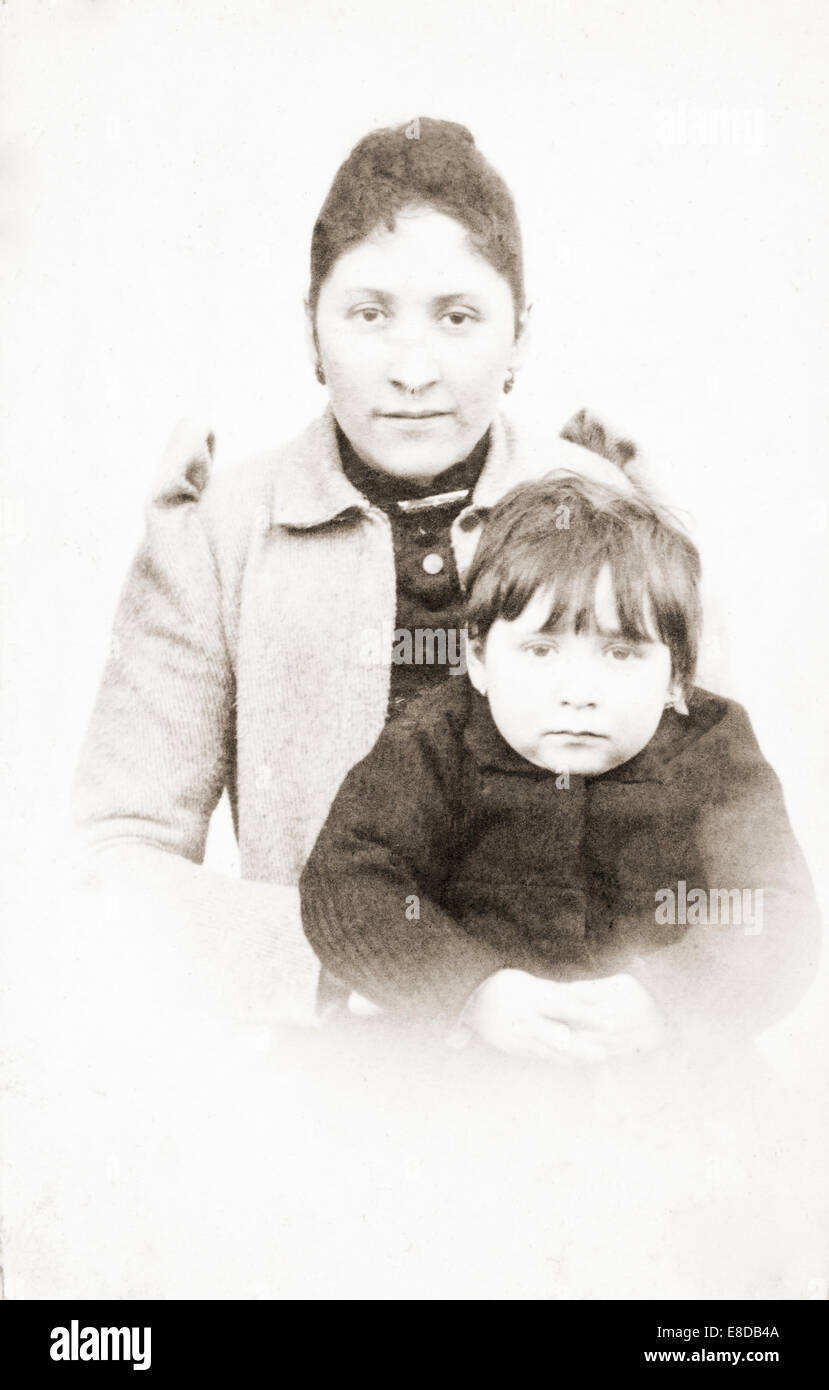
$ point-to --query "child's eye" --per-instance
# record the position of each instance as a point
(539, 649)
(622, 653)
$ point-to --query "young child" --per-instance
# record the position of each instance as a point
(573, 850)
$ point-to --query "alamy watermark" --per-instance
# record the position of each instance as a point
(77, 1343)
(710, 907)
(418, 646)
(737, 127)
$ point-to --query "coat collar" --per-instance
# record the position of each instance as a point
(652, 764)
(311, 489)
(488, 746)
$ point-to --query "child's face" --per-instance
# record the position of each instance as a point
(572, 702)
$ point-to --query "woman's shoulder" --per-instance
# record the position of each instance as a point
(264, 477)
(237, 493)
(525, 447)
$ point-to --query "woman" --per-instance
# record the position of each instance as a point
(275, 614)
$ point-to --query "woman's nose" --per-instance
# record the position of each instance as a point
(413, 368)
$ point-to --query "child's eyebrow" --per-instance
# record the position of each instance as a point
(640, 639)
(610, 634)
(617, 634)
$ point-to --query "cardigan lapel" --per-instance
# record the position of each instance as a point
(310, 488)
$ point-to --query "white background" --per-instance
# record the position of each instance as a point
(161, 166)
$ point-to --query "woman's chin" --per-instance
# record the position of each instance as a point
(419, 463)
(416, 453)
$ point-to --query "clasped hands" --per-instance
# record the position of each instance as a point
(578, 1021)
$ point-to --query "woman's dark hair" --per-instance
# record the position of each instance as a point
(556, 535)
(425, 163)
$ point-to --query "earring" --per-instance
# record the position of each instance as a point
(509, 382)
(319, 373)
(677, 702)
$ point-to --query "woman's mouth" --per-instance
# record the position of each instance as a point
(414, 415)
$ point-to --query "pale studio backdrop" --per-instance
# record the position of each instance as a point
(161, 169)
(161, 166)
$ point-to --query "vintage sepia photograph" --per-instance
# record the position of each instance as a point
(413, 531)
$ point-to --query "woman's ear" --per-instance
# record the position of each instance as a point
(522, 339)
(475, 663)
(311, 342)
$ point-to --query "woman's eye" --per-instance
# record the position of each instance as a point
(458, 317)
(369, 314)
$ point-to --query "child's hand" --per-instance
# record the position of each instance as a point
(583, 1021)
(525, 1016)
(620, 1015)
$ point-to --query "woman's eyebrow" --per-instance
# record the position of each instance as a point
(382, 296)
(441, 301)
(444, 300)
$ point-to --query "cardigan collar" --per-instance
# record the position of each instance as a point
(311, 488)
(386, 490)
(490, 748)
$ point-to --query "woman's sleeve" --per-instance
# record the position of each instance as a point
(156, 756)
(742, 972)
(371, 889)
(158, 753)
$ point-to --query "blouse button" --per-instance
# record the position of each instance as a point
(433, 564)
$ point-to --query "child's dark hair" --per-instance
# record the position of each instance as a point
(426, 163)
(557, 534)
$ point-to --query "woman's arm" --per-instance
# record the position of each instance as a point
(159, 752)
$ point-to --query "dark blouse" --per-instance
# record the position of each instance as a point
(429, 596)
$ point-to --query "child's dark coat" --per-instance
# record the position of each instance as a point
(446, 856)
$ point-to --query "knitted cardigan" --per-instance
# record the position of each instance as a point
(251, 653)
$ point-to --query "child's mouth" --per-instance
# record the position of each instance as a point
(575, 733)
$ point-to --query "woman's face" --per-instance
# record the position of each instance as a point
(416, 334)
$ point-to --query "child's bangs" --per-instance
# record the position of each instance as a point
(629, 614)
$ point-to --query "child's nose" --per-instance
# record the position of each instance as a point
(578, 701)
(577, 684)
